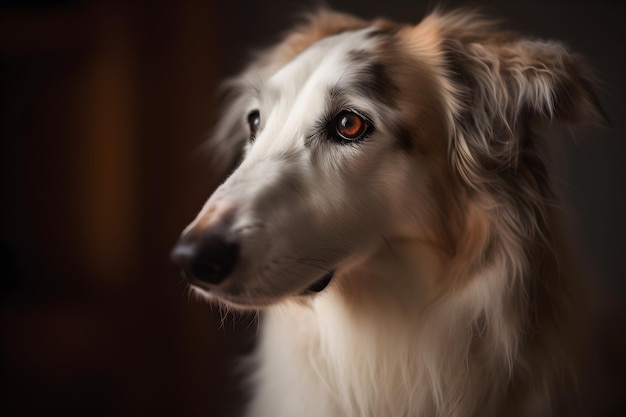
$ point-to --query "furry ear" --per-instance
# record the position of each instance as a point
(231, 132)
(517, 79)
(498, 84)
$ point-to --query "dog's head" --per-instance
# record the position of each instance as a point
(354, 133)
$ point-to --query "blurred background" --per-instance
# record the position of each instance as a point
(103, 107)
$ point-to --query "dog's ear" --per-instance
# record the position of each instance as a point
(517, 80)
(230, 134)
(498, 84)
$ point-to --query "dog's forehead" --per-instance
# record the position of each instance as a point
(327, 62)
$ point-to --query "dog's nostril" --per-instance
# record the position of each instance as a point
(207, 257)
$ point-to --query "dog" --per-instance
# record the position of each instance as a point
(392, 215)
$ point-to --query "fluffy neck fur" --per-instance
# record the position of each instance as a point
(490, 339)
(475, 315)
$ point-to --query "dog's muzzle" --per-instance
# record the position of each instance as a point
(207, 253)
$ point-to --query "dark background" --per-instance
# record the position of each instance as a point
(103, 106)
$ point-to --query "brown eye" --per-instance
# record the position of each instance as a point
(254, 121)
(350, 126)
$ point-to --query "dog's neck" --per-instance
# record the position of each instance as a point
(411, 307)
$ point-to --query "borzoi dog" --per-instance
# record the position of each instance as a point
(392, 216)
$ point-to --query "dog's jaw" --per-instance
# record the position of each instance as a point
(244, 302)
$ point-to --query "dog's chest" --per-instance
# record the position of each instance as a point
(318, 364)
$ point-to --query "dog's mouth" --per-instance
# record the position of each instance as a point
(244, 302)
(320, 285)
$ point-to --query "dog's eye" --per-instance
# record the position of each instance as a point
(350, 126)
(254, 120)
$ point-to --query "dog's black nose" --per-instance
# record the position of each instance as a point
(206, 256)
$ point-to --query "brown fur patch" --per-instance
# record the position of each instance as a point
(320, 25)
(211, 216)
